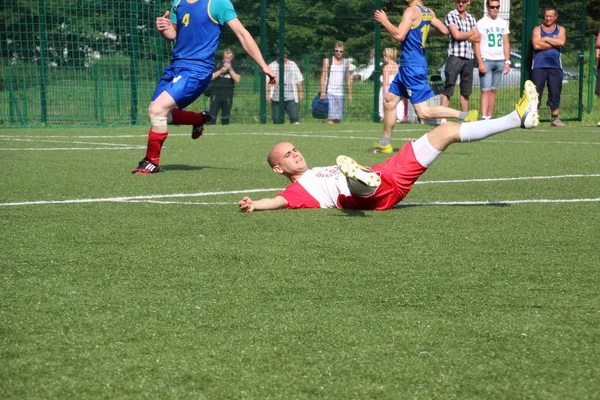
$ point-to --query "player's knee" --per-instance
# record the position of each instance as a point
(156, 120)
(424, 113)
(389, 105)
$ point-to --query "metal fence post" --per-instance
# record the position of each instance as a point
(133, 68)
(592, 57)
(281, 61)
(377, 70)
(529, 21)
(263, 50)
(43, 49)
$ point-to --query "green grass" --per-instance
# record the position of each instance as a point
(186, 297)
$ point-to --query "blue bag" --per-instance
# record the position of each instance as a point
(320, 108)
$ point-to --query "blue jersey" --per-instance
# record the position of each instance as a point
(199, 25)
(412, 47)
(549, 58)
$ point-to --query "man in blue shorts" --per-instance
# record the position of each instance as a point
(411, 80)
(196, 28)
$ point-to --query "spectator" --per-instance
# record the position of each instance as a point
(334, 73)
(492, 54)
(548, 39)
(196, 32)
(462, 34)
(222, 87)
(598, 66)
(366, 72)
(293, 90)
(389, 70)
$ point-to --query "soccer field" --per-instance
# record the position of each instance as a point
(483, 284)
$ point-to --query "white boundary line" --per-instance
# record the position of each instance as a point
(400, 205)
(153, 198)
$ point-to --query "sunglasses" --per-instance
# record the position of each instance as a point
(494, 7)
(462, 1)
(339, 51)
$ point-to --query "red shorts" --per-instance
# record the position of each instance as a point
(398, 175)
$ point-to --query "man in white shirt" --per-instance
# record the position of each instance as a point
(492, 54)
(293, 90)
(334, 73)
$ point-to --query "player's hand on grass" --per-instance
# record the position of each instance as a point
(246, 204)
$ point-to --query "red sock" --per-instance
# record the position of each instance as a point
(181, 117)
(155, 143)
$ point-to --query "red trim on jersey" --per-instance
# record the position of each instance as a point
(298, 197)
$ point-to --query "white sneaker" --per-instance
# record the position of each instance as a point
(353, 170)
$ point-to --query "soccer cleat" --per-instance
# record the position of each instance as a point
(527, 107)
(472, 115)
(352, 170)
(377, 148)
(146, 167)
(557, 122)
(198, 130)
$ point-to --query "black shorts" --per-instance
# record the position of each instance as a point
(455, 67)
(554, 77)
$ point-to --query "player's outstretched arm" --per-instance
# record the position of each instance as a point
(250, 46)
(246, 204)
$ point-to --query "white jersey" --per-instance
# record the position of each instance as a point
(319, 187)
(292, 77)
(337, 75)
(492, 37)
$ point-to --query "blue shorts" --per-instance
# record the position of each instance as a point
(491, 80)
(183, 84)
(411, 83)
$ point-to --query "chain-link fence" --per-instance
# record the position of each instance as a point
(96, 63)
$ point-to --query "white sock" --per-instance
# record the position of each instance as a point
(425, 153)
(479, 130)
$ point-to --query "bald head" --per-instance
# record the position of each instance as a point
(286, 159)
(277, 153)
